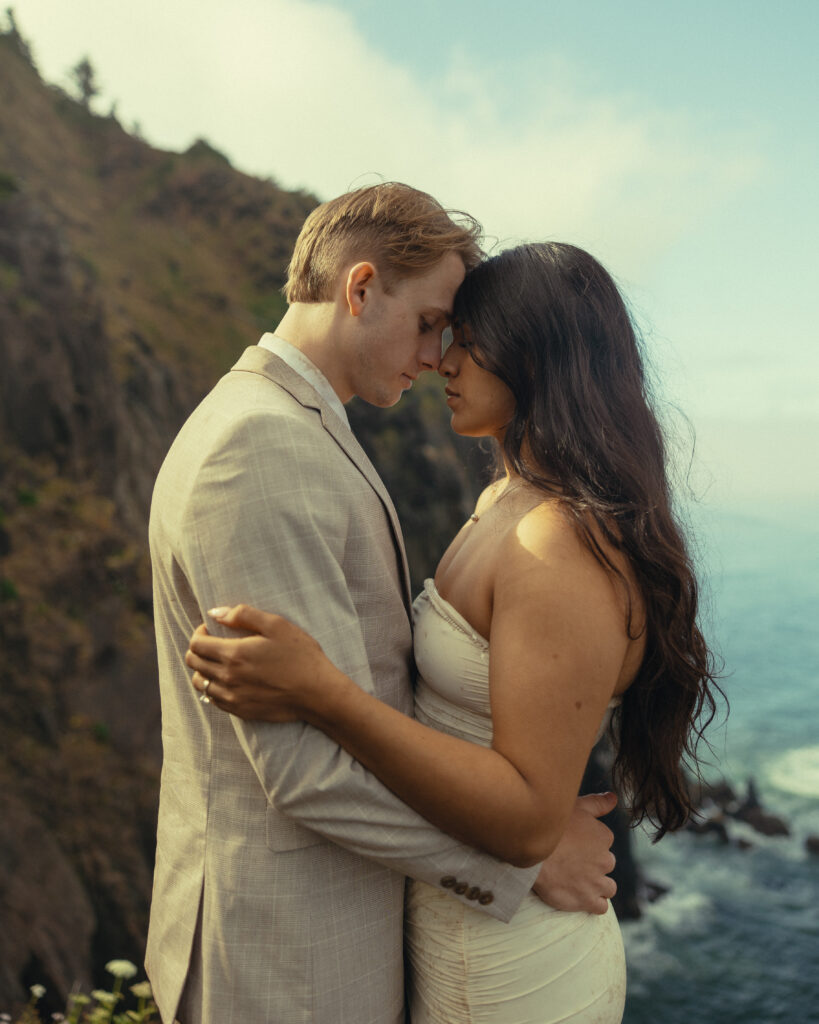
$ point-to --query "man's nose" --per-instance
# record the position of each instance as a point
(430, 354)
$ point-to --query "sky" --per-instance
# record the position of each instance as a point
(678, 142)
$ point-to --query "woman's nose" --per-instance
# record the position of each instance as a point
(448, 366)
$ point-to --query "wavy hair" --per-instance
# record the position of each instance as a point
(548, 320)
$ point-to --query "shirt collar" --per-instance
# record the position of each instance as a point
(307, 369)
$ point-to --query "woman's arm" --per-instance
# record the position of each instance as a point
(557, 647)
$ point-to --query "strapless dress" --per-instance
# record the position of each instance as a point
(466, 967)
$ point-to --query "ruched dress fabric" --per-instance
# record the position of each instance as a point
(465, 967)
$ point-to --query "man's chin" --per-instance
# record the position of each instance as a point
(383, 400)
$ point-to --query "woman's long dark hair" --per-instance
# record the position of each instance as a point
(548, 320)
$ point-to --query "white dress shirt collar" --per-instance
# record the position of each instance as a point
(307, 369)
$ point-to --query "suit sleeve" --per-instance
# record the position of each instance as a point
(257, 530)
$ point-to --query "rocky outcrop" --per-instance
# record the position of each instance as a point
(65, 398)
(44, 900)
(752, 813)
(130, 280)
(718, 804)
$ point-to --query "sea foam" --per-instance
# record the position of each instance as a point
(796, 771)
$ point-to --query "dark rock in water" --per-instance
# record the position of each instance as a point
(812, 845)
(751, 801)
(765, 824)
(719, 793)
(710, 826)
(652, 891)
(752, 813)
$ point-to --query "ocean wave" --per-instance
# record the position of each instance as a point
(680, 912)
(796, 771)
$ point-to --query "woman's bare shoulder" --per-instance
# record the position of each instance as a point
(548, 543)
(546, 530)
(555, 554)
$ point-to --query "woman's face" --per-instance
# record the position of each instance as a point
(482, 405)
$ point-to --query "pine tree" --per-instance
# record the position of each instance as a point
(84, 78)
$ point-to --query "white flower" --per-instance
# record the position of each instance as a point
(142, 990)
(121, 968)
(104, 998)
(38, 991)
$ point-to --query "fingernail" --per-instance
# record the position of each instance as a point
(218, 613)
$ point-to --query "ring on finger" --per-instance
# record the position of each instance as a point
(203, 696)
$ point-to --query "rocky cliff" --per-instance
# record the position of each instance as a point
(130, 280)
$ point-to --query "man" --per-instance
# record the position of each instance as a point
(279, 884)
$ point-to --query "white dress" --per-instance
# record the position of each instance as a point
(467, 967)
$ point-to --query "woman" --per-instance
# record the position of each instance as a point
(566, 602)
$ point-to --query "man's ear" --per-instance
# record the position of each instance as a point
(359, 283)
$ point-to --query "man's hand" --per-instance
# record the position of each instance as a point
(575, 877)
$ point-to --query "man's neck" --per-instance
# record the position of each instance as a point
(309, 327)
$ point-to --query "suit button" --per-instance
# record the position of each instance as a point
(461, 888)
(486, 898)
(448, 881)
(473, 893)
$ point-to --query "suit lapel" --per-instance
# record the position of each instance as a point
(260, 360)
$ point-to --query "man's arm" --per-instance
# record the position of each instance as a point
(257, 528)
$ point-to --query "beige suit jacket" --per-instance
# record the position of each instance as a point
(279, 883)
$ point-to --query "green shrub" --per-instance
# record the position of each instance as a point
(8, 186)
(25, 496)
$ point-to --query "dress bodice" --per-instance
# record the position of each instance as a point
(452, 690)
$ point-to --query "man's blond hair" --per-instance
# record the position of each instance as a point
(397, 228)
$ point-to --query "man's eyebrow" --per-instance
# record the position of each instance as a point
(438, 313)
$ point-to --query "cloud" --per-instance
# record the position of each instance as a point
(701, 212)
(291, 89)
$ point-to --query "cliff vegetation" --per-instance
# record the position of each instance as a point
(130, 279)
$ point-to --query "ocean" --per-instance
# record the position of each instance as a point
(737, 937)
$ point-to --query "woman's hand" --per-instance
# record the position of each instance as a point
(276, 674)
